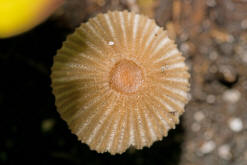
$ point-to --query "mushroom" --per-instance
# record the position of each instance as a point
(119, 81)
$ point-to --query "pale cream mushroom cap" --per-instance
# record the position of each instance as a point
(119, 81)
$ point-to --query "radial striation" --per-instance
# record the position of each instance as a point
(119, 81)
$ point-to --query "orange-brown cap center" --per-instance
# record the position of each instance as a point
(126, 77)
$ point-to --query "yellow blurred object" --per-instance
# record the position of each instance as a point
(18, 16)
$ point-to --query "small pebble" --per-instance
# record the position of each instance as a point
(208, 134)
(244, 57)
(199, 116)
(236, 124)
(184, 47)
(211, 3)
(224, 152)
(228, 73)
(213, 55)
(244, 84)
(210, 99)
(231, 96)
(184, 37)
(207, 147)
(244, 24)
(195, 127)
(245, 155)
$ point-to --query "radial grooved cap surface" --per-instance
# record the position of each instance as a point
(119, 81)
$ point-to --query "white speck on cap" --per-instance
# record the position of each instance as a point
(236, 124)
(110, 43)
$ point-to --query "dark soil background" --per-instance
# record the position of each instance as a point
(212, 34)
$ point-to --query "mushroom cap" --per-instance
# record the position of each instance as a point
(119, 81)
